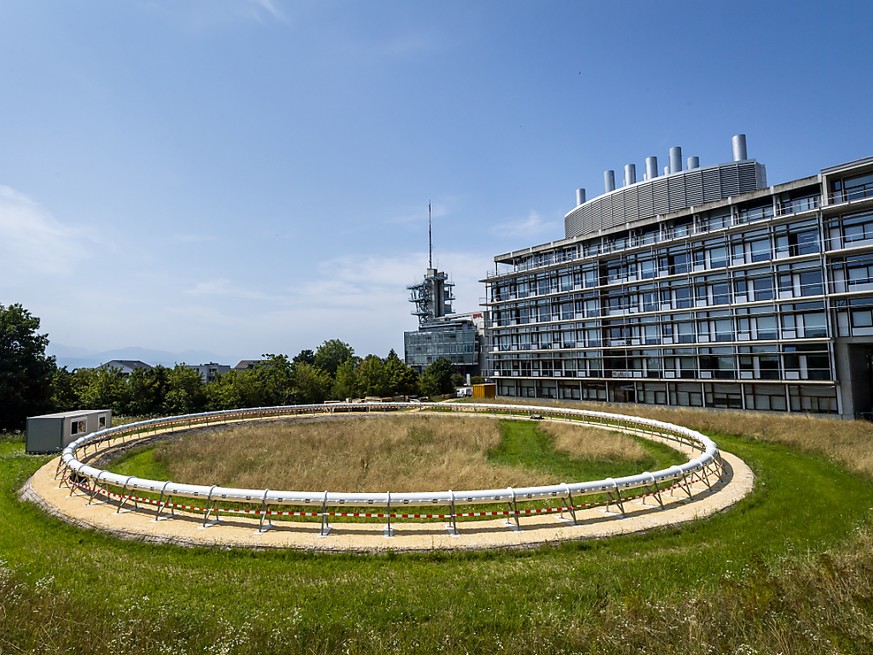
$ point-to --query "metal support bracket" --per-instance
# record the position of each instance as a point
(325, 525)
(210, 509)
(264, 514)
(453, 529)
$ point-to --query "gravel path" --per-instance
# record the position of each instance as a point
(242, 532)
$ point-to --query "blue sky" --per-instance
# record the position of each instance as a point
(252, 176)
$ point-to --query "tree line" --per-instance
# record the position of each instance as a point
(31, 382)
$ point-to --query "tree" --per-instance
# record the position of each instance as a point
(305, 356)
(186, 393)
(346, 383)
(146, 389)
(64, 396)
(106, 388)
(372, 377)
(436, 379)
(402, 379)
(331, 354)
(311, 384)
(25, 370)
(275, 375)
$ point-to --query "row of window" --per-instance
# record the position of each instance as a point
(789, 240)
(801, 279)
(767, 397)
(702, 223)
(766, 362)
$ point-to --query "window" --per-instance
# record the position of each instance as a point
(803, 243)
(860, 275)
(860, 186)
(858, 227)
(815, 325)
(683, 297)
(721, 293)
(763, 287)
(718, 257)
(760, 250)
(862, 318)
(767, 327)
(650, 301)
(810, 283)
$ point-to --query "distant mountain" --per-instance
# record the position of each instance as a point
(73, 357)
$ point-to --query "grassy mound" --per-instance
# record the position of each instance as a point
(789, 569)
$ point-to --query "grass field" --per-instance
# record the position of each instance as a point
(789, 569)
(400, 453)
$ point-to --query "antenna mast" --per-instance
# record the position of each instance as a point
(429, 238)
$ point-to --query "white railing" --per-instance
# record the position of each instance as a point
(94, 481)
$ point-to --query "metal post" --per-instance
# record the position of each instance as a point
(618, 500)
(388, 531)
(453, 516)
(60, 464)
(123, 496)
(514, 506)
(94, 489)
(160, 506)
(264, 513)
(209, 509)
(570, 503)
(325, 526)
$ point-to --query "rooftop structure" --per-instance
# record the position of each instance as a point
(441, 334)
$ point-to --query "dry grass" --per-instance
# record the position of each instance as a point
(592, 444)
(848, 442)
(400, 453)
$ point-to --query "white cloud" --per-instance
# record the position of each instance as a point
(268, 7)
(222, 287)
(34, 243)
(532, 226)
(367, 282)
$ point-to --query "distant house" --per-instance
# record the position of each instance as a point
(126, 366)
(247, 364)
(210, 371)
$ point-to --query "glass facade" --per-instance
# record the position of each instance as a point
(762, 301)
(456, 341)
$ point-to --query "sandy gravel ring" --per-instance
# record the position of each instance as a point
(242, 532)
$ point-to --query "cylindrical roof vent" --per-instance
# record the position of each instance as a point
(630, 174)
(609, 180)
(693, 162)
(675, 159)
(651, 168)
(738, 144)
(580, 196)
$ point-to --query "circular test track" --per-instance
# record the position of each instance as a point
(195, 515)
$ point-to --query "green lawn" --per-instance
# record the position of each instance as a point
(729, 582)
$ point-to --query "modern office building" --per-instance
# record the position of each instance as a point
(442, 334)
(698, 287)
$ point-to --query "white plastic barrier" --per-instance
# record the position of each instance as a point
(700, 467)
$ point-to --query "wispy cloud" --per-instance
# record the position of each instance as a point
(367, 282)
(269, 8)
(532, 226)
(222, 287)
(33, 242)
